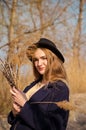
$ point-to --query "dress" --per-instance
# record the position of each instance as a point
(42, 116)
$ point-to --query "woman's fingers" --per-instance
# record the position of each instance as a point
(14, 91)
(18, 96)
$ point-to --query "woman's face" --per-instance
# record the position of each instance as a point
(40, 61)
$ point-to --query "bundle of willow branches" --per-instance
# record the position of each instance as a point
(7, 71)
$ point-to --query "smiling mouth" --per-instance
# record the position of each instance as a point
(41, 69)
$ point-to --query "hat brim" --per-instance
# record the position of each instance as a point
(45, 43)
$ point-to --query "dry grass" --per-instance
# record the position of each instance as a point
(77, 77)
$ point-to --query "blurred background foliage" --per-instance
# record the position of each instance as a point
(23, 22)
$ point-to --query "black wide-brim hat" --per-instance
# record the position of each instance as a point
(48, 44)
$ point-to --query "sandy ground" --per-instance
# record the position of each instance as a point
(77, 119)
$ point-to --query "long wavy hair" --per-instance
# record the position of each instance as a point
(54, 70)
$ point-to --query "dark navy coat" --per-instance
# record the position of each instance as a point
(42, 116)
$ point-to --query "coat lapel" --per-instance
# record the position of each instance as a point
(40, 94)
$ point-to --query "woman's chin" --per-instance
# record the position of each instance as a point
(41, 72)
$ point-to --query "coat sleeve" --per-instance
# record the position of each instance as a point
(11, 119)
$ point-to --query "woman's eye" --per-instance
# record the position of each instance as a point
(34, 60)
(44, 58)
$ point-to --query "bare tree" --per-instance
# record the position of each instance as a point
(76, 46)
(37, 18)
(11, 28)
(77, 36)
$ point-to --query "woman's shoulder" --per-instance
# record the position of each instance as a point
(59, 90)
(59, 85)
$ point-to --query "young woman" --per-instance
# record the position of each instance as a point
(34, 108)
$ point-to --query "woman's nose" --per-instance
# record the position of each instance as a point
(39, 62)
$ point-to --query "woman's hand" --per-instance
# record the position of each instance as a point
(19, 98)
(16, 109)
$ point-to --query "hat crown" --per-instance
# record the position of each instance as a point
(44, 40)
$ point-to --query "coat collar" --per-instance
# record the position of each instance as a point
(40, 94)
